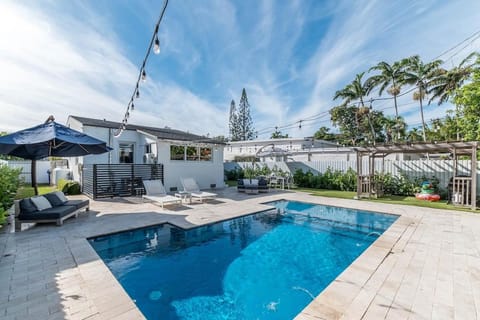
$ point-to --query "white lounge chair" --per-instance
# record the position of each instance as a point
(191, 186)
(155, 191)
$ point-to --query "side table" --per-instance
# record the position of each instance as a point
(184, 195)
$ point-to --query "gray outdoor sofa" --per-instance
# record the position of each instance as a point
(50, 207)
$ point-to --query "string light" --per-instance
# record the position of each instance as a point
(156, 46)
(142, 76)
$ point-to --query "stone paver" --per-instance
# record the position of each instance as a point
(425, 266)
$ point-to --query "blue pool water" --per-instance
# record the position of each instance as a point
(268, 265)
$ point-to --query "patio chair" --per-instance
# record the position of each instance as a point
(155, 191)
(191, 186)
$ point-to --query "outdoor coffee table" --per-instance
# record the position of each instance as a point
(184, 195)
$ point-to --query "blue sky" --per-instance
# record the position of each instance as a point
(82, 58)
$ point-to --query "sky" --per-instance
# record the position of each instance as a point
(83, 58)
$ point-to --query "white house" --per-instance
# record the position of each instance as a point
(295, 149)
(182, 154)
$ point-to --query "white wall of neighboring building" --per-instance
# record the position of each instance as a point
(301, 149)
(249, 148)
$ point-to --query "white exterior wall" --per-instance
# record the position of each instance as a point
(204, 172)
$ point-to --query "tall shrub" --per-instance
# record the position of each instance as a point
(9, 183)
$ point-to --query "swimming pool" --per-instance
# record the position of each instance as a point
(268, 265)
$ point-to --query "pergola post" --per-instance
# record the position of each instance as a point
(359, 175)
(474, 177)
(372, 175)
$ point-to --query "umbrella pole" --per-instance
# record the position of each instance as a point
(34, 176)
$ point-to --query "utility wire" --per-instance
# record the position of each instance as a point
(470, 40)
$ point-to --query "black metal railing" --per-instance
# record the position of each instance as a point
(118, 180)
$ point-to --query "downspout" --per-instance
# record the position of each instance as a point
(110, 142)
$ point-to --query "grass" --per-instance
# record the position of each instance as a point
(231, 183)
(404, 200)
(25, 192)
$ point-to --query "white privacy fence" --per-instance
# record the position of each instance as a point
(42, 167)
(441, 169)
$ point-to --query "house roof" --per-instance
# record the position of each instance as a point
(160, 133)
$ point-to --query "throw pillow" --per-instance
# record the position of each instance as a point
(61, 196)
(41, 203)
(27, 206)
(53, 199)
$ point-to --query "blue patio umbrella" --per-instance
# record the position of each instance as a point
(49, 139)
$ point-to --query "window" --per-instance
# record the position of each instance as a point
(126, 153)
(148, 148)
(205, 154)
(177, 152)
(192, 154)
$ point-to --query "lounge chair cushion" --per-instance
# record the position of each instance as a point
(41, 203)
(154, 187)
(27, 206)
(46, 214)
(54, 199)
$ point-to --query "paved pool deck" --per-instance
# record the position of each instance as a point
(425, 266)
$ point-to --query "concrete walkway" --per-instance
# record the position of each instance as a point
(425, 266)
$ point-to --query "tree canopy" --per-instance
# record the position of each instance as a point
(240, 121)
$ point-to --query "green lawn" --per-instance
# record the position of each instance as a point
(231, 183)
(411, 201)
(27, 191)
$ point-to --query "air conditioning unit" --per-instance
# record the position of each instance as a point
(149, 158)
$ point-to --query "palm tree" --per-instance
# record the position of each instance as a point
(390, 78)
(357, 90)
(420, 74)
(414, 135)
(391, 125)
(446, 82)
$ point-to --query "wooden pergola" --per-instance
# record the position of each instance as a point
(464, 188)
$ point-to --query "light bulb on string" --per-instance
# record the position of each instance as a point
(156, 45)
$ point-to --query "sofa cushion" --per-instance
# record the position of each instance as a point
(47, 214)
(77, 203)
(27, 206)
(41, 203)
(54, 200)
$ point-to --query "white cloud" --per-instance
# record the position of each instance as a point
(48, 69)
(72, 58)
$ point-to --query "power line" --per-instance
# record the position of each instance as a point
(471, 39)
(155, 43)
